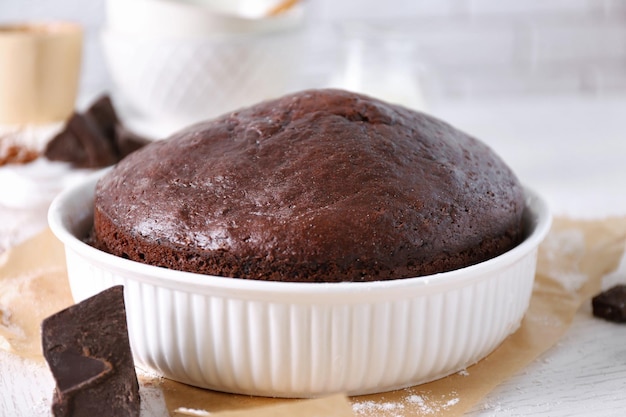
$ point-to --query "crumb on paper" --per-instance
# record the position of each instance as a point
(463, 372)
(191, 412)
(15, 154)
(23, 144)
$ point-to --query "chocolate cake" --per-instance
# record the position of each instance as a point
(87, 349)
(317, 186)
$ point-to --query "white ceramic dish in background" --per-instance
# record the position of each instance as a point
(305, 339)
(174, 63)
(163, 85)
(186, 18)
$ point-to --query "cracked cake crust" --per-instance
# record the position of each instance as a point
(317, 186)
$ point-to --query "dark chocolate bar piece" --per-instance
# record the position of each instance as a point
(88, 351)
(104, 116)
(82, 143)
(94, 139)
(611, 304)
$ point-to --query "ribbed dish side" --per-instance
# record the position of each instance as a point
(286, 349)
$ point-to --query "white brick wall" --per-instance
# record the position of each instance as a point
(511, 7)
(475, 48)
(470, 48)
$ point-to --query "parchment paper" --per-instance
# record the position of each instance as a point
(571, 263)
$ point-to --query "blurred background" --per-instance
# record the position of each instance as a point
(471, 48)
(541, 81)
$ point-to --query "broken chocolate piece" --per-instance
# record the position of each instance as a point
(93, 139)
(75, 371)
(82, 143)
(104, 116)
(88, 351)
(611, 304)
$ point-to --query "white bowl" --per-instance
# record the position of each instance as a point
(173, 64)
(305, 339)
(164, 85)
(185, 18)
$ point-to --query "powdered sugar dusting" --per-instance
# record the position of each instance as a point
(452, 402)
(369, 407)
(561, 258)
(191, 412)
(419, 401)
(147, 373)
(414, 402)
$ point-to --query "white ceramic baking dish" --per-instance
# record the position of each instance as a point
(305, 339)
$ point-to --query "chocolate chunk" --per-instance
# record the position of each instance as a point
(75, 370)
(88, 351)
(611, 304)
(82, 143)
(66, 146)
(93, 139)
(103, 115)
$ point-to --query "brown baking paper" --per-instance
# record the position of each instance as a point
(571, 263)
(33, 285)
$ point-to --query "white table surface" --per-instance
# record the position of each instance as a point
(570, 149)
